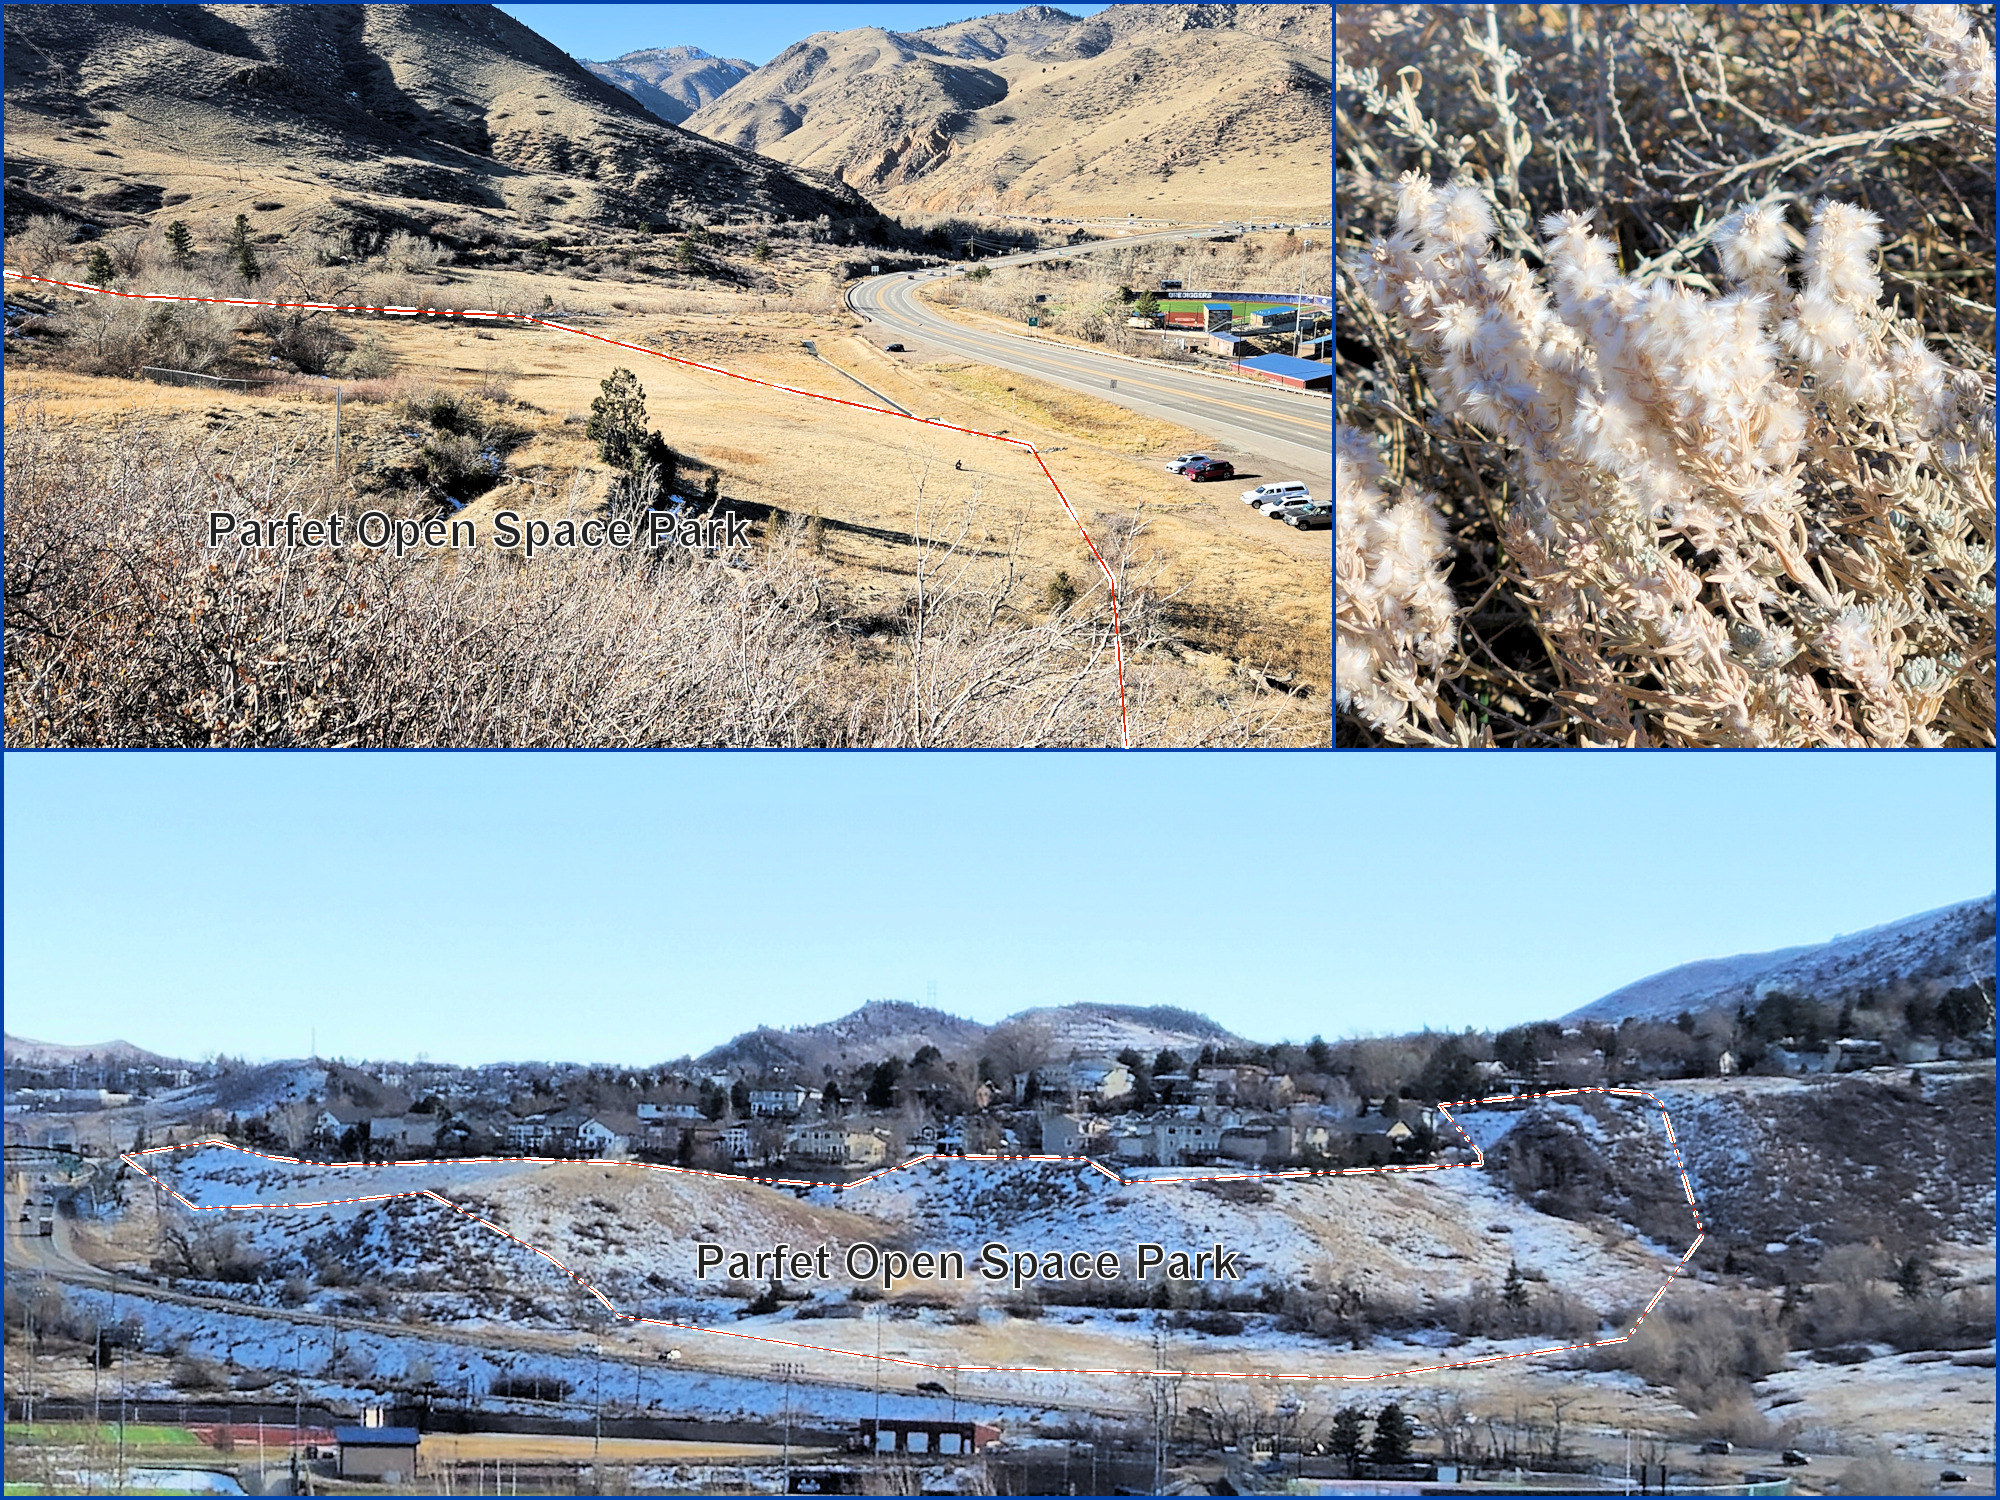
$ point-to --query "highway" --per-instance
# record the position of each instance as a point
(1290, 429)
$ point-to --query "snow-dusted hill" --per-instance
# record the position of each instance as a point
(1953, 944)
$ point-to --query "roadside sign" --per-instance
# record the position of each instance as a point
(1034, 322)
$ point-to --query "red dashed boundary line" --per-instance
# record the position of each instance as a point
(131, 1159)
(1110, 580)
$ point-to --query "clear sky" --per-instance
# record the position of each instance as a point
(755, 33)
(631, 908)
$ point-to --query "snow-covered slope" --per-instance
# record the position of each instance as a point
(1951, 944)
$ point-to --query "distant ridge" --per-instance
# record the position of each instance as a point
(1951, 943)
(673, 82)
(897, 1028)
(24, 1051)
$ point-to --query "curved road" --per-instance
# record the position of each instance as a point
(1288, 429)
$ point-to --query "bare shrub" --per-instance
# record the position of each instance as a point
(121, 629)
(1707, 1349)
(192, 1373)
(406, 254)
(40, 245)
(1711, 470)
(1876, 1474)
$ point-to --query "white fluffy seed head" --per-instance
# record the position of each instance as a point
(1459, 216)
(1751, 241)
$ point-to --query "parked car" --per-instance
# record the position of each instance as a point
(1276, 509)
(1315, 517)
(1277, 490)
(893, 348)
(1214, 468)
(1179, 463)
(1791, 1458)
(1718, 1445)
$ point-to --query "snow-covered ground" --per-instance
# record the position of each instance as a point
(1918, 1406)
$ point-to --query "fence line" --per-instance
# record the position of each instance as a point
(192, 377)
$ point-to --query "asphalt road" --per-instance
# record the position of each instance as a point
(1292, 432)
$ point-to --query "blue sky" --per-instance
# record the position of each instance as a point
(755, 33)
(632, 908)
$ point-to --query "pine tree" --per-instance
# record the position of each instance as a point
(1910, 1278)
(180, 244)
(618, 418)
(101, 271)
(1391, 1443)
(763, 251)
(1514, 1291)
(1344, 1439)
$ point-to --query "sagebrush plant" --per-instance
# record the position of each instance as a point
(124, 630)
(1724, 495)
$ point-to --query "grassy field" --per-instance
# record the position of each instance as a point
(875, 484)
(78, 1434)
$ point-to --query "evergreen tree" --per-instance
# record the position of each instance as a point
(763, 251)
(882, 1084)
(1391, 1443)
(618, 418)
(100, 270)
(1344, 1440)
(180, 244)
(241, 254)
(829, 1099)
(1910, 1277)
(739, 1098)
(1514, 1292)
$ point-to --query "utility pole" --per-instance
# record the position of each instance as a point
(597, 1421)
(785, 1370)
(1298, 316)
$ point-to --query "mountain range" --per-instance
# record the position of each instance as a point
(1953, 943)
(1191, 110)
(392, 115)
(673, 82)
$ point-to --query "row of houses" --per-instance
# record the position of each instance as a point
(1192, 1136)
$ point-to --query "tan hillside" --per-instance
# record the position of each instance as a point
(420, 116)
(673, 82)
(1185, 111)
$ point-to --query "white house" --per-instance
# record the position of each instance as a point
(779, 1103)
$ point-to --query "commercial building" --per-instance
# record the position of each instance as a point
(1283, 369)
(385, 1453)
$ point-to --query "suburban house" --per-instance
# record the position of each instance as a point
(528, 1136)
(1069, 1135)
(736, 1141)
(335, 1120)
(837, 1143)
(403, 1133)
(780, 1103)
(1850, 1053)
(1174, 1141)
(592, 1133)
(649, 1114)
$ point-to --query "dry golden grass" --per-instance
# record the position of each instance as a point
(1248, 592)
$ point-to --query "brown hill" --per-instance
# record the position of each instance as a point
(896, 1028)
(390, 114)
(673, 82)
(1182, 110)
(25, 1052)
